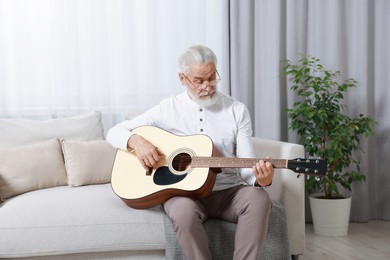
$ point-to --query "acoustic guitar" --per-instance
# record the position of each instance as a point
(184, 170)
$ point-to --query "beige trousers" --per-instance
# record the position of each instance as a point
(247, 206)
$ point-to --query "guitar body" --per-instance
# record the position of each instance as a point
(140, 189)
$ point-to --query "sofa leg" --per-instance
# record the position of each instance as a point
(294, 257)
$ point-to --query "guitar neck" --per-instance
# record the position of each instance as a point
(223, 162)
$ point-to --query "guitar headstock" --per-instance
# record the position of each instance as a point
(316, 167)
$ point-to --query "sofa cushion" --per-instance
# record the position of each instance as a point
(88, 162)
(31, 167)
(63, 220)
(18, 132)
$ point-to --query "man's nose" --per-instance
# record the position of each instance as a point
(206, 85)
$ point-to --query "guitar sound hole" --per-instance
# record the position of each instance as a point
(181, 162)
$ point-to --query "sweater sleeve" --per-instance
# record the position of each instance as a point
(119, 134)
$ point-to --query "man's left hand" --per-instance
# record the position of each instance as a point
(264, 173)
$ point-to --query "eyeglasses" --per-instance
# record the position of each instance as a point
(211, 83)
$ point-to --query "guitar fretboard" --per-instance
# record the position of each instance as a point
(223, 162)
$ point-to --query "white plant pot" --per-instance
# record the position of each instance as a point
(330, 217)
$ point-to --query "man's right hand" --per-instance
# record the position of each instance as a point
(146, 152)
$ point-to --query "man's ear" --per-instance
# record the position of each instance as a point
(181, 78)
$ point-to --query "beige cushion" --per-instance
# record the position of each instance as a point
(18, 132)
(88, 162)
(31, 167)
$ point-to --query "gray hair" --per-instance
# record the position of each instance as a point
(197, 54)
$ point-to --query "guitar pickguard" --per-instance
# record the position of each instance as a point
(163, 176)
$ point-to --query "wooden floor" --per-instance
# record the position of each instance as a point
(368, 241)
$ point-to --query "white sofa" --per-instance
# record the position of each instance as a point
(72, 212)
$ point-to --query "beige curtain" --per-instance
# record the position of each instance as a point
(352, 36)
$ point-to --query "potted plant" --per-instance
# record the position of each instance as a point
(327, 132)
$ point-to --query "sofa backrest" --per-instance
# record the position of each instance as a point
(18, 132)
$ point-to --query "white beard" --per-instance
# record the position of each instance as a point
(206, 102)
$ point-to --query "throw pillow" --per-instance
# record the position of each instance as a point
(88, 162)
(18, 132)
(31, 167)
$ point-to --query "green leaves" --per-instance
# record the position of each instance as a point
(324, 130)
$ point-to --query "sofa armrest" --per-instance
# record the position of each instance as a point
(287, 188)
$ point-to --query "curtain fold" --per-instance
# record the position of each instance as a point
(350, 36)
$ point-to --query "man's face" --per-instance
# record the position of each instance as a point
(201, 81)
